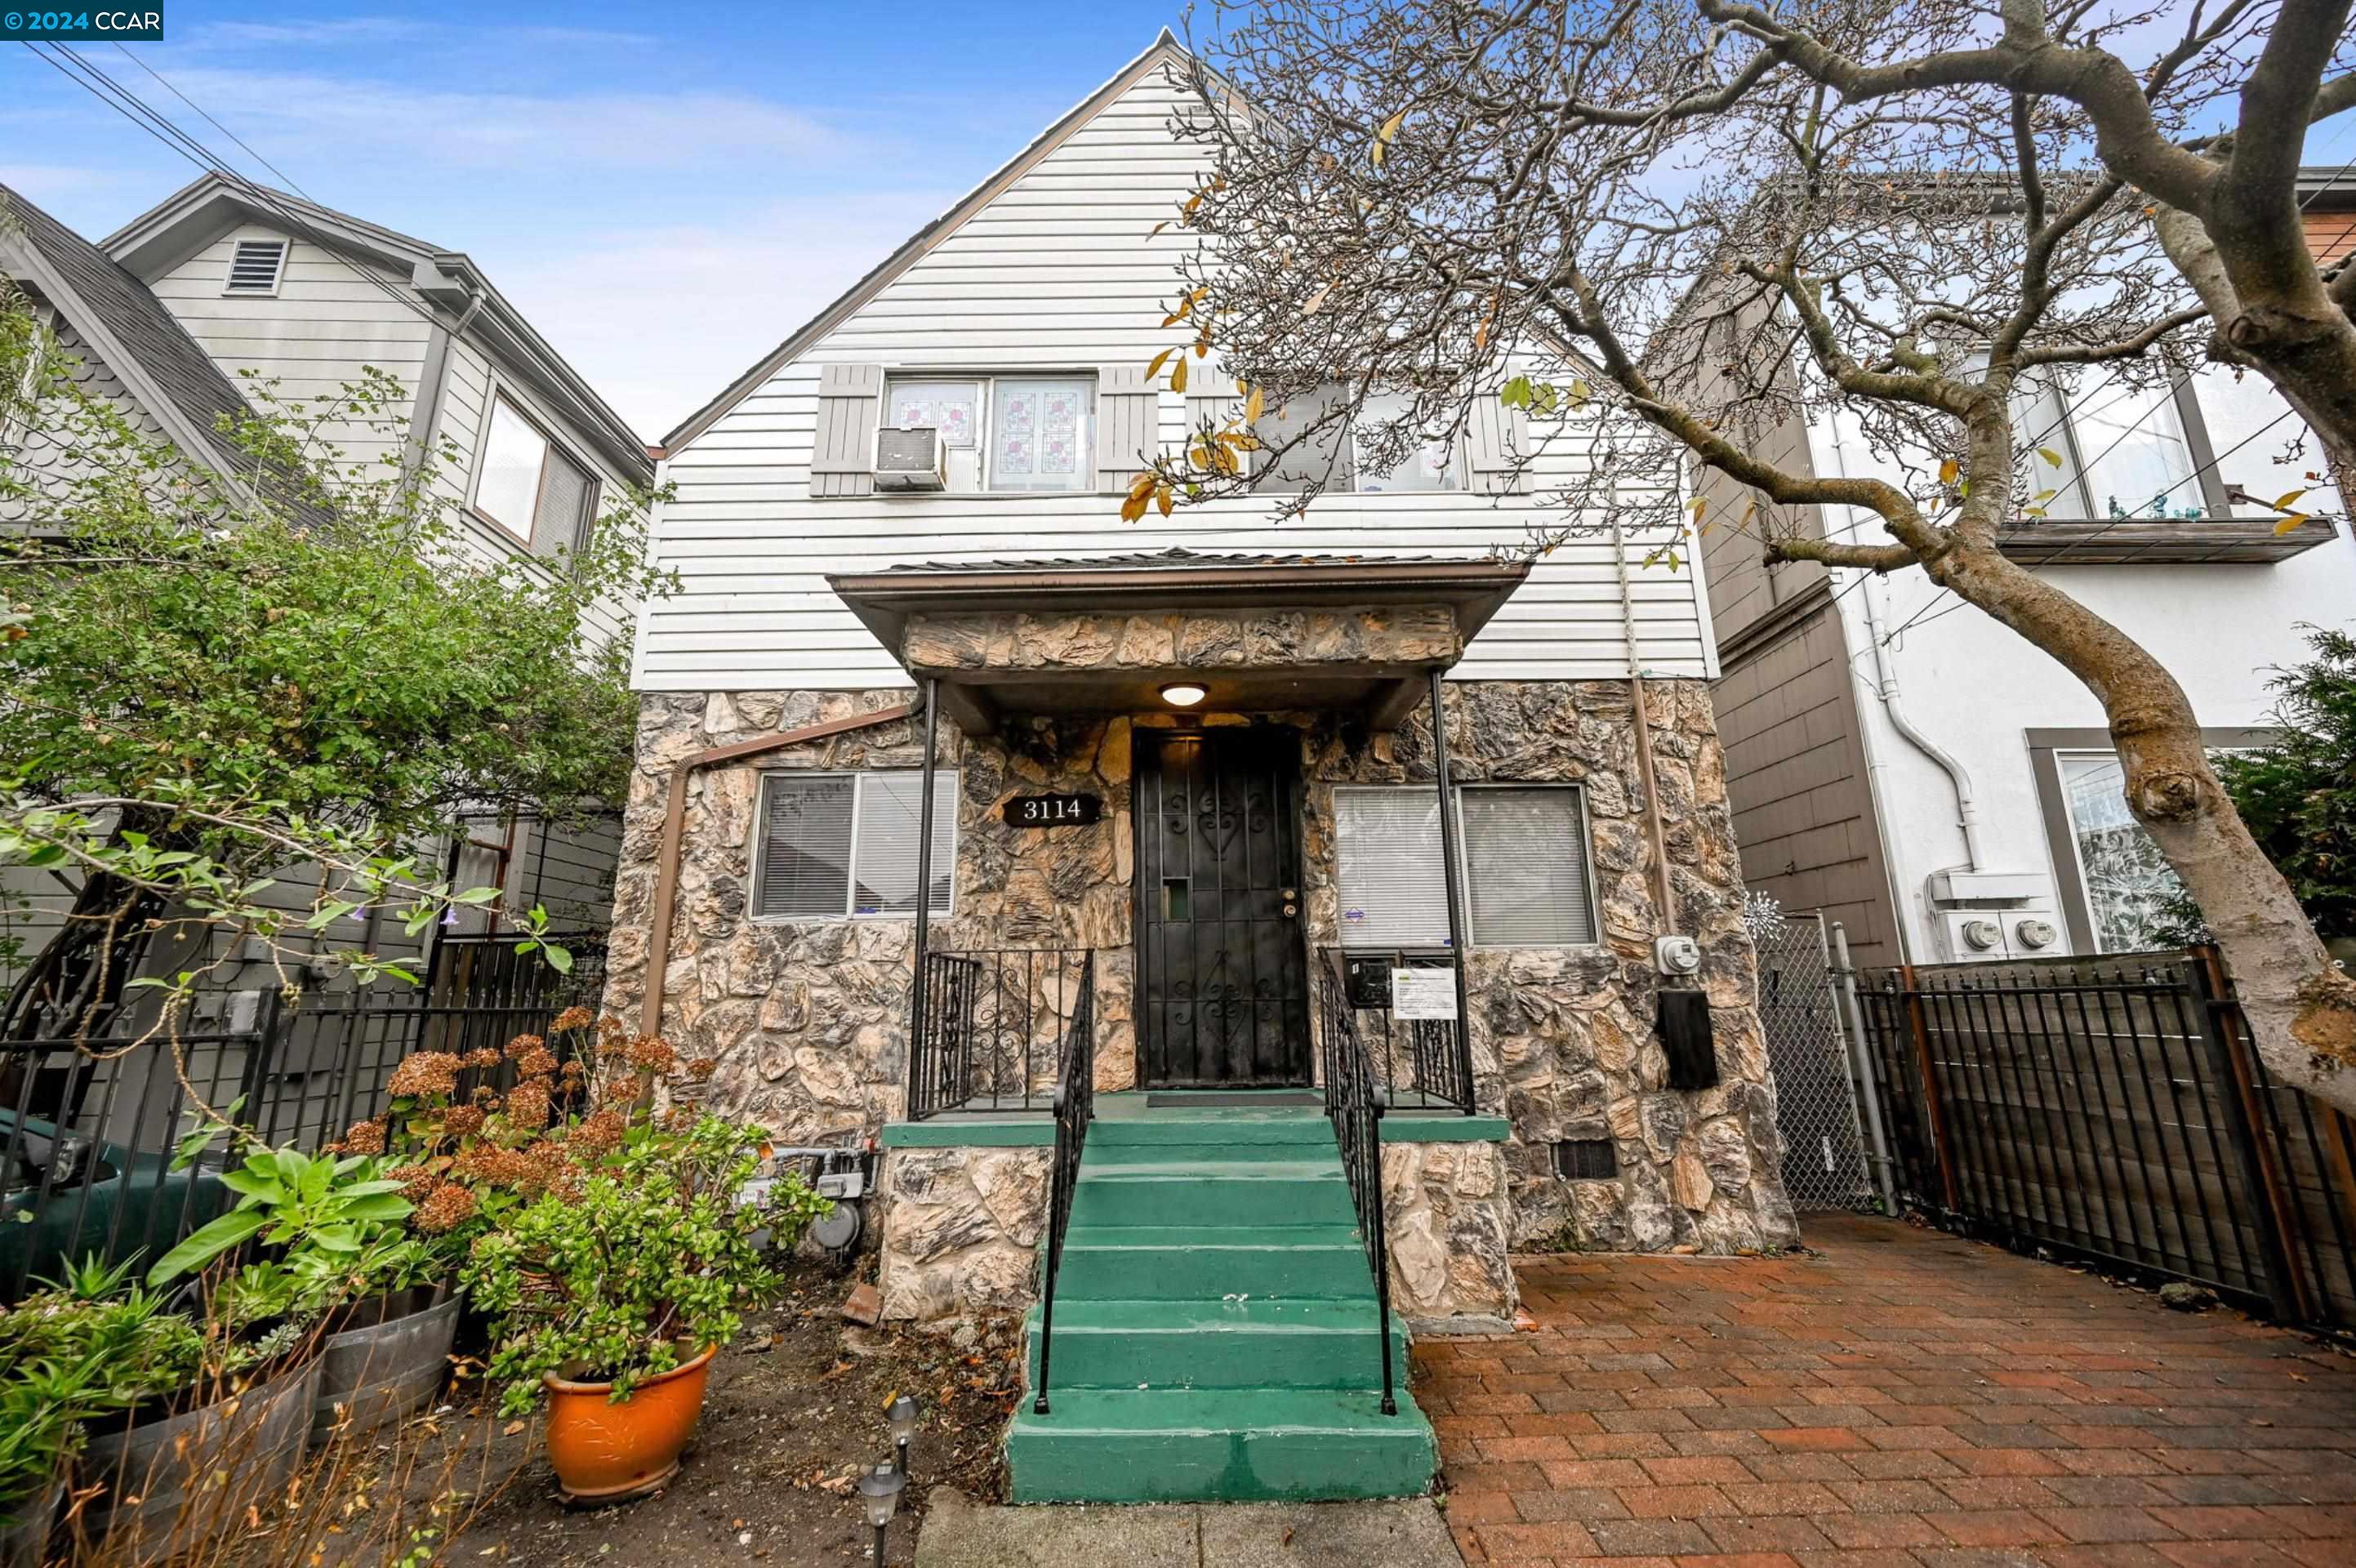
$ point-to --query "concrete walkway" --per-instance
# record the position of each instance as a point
(960, 1533)
(1897, 1398)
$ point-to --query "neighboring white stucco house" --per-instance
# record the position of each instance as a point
(1856, 709)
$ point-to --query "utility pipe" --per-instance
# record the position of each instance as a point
(1886, 689)
(1665, 891)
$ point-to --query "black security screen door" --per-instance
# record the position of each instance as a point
(1222, 971)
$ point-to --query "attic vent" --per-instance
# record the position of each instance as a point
(1586, 1159)
(255, 267)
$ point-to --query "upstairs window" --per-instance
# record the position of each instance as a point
(529, 485)
(1350, 457)
(256, 266)
(1525, 871)
(2126, 453)
(835, 847)
(1004, 433)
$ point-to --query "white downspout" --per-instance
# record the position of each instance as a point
(1885, 686)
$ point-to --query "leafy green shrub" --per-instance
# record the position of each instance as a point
(82, 1349)
(628, 1269)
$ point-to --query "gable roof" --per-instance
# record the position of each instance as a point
(1164, 48)
(212, 205)
(166, 371)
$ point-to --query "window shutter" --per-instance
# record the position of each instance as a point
(805, 848)
(1499, 436)
(1128, 424)
(842, 458)
(1526, 868)
(1386, 850)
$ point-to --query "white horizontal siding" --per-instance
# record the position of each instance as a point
(1059, 272)
(327, 321)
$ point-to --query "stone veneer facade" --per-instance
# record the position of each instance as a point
(809, 1019)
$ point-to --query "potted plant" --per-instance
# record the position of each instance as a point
(78, 1349)
(610, 1295)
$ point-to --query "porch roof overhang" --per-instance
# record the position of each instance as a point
(1261, 632)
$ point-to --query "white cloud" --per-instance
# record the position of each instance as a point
(46, 184)
(660, 321)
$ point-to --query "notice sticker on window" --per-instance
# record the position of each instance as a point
(1423, 993)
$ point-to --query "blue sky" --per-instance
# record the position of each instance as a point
(666, 191)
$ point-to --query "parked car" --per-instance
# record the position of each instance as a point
(67, 1196)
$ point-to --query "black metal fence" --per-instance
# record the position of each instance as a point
(1355, 1106)
(2112, 1109)
(1418, 1063)
(1075, 1107)
(87, 1127)
(994, 1019)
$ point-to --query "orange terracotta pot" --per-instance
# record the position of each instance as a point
(607, 1453)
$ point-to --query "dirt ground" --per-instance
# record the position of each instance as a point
(794, 1413)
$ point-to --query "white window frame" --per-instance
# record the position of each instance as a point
(1345, 479)
(277, 279)
(1464, 867)
(2053, 423)
(498, 393)
(985, 384)
(945, 780)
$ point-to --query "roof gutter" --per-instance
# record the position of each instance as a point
(674, 829)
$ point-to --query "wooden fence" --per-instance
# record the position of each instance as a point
(2112, 1109)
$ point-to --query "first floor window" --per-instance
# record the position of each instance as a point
(2131, 891)
(1524, 873)
(528, 484)
(833, 845)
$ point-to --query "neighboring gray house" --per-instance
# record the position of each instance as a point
(174, 315)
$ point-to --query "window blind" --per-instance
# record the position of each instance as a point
(1526, 868)
(805, 848)
(557, 519)
(888, 821)
(1387, 844)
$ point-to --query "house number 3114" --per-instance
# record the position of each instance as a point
(1054, 811)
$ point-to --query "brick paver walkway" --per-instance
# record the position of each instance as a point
(1899, 1397)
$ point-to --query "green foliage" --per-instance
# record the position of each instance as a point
(323, 1231)
(82, 1347)
(2298, 796)
(308, 661)
(642, 1265)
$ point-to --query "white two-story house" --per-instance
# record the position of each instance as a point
(1193, 840)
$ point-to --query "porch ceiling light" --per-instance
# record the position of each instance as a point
(1183, 693)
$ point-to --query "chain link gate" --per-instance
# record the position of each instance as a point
(1808, 1049)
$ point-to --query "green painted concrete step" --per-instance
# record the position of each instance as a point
(1199, 1262)
(1183, 1156)
(1238, 1192)
(1185, 1130)
(1240, 1343)
(1218, 1445)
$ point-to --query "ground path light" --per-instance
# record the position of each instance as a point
(904, 1431)
(879, 1490)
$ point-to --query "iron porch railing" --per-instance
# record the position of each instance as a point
(1356, 1110)
(1421, 1063)
(994, 1023)
(1075, 1107)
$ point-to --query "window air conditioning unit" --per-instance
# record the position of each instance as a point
(912, 458)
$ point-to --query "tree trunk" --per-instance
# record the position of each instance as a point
(2301, 1008)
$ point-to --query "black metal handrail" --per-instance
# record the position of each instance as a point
(1356, 1112)
(1424, 1064)
(1076, 1105)
(991, 1026)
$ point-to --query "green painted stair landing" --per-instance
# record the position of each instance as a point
(1215, 1324)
